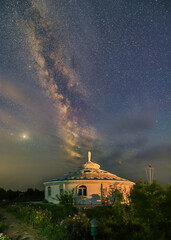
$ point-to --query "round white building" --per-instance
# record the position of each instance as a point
(91, 185)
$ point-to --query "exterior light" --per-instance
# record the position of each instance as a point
(94, 228)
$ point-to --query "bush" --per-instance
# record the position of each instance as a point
(66, 199)
(4, 237)
(3, 226)
(45, 218)
(77, 226)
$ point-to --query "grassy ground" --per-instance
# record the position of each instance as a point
(54, 222)
(3, 227)
(16, 229)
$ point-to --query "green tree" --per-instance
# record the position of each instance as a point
(147, 199)
(150, 203)
(66, 199)
(2, 194)
(117, 197)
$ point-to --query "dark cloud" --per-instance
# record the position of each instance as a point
(132, 166)
(135, 143)
(142, 153)
(135, 154)
(156, 153)
(134, 126)
(112, 158)
(123, 147)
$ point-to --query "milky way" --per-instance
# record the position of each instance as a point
(84, 75)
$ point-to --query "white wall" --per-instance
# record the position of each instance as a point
(94, 193)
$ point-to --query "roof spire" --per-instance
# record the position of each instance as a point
(89, 156)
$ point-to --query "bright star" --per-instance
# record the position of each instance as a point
(24, 136)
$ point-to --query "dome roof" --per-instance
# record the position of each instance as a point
(90, 171)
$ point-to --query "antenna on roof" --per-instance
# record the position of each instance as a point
(89, 156)
(150, 174)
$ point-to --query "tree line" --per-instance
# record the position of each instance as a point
(19, 196)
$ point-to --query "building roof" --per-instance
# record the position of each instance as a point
(89, 171)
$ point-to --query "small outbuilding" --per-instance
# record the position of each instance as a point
(91, 185)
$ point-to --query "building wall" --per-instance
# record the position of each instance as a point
(54, 192)
(97, 190)
(93, 193)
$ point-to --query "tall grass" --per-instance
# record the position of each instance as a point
(54, 222)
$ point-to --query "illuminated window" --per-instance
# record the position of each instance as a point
(49, 191)
(82, 191)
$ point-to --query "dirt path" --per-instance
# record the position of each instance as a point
(18, 230)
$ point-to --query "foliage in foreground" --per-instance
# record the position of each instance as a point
(3, 226)
(4, 237)
(54, 222)
(147, 217)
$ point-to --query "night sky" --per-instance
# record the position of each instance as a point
(80, 75)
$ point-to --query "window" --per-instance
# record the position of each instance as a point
(49, 191)
(82, 191)
(61, 190)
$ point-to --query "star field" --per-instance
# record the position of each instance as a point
(79, 76)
